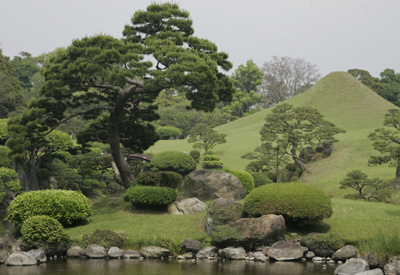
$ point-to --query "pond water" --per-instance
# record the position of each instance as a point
(166, 267)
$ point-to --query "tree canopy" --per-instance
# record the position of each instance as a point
(204, 137)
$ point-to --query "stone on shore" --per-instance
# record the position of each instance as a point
(285, 251)
(190, 245)
(154, 252)
(207, 252)
(375, 271)
(234, 253)
(39, 254)
(76, 252)
(131, 254)
(344, 253)
(21, 258)
(115, 252)
(352, 266)
(96, 251)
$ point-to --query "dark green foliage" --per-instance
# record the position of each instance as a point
(5, 161)
(44, 232)
(162, 179)
(203, 136)
(68, 207)
(3, 131)
(260, 179)
(211, 157)
(195, 154)
(323, 245)
(25, 67)
(224, 236)
(65, 177)
(174, 161)
(297, 202)
(212, 161)
(245, 178)
(368, 189)
(150, 196)
(222, 211)
(169, 132)
(9, 185)
(106, 238)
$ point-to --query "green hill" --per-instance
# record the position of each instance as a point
(341, 99)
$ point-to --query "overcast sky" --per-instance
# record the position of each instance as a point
(336, 35)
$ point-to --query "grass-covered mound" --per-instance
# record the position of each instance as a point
(295, 201)
(67, 207)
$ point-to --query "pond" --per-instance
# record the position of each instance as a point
(167, 267)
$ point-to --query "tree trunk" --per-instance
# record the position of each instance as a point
(296, 159)
(396, 184)
(28, 177)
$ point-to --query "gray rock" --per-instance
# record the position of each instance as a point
(285, 251)
(259, 256)
(234, 253)
(3, 256)
(393, 266)
(212, 184)
(375, 271)
(96, 251)
(209, 251)
(131, 254)
(186, 206)
(221, 212)
(21, 258)
(76, 252)
(115, 252)
(352, 266)
(251, 232)
(39, 254)
(345, 253)
(190, 245)
(188, 255)
(310, 255)
(318, 259)
(154, 252)
(7, 241)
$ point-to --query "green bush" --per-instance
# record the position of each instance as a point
(67, 207)
(213, 164)
(150, 196)
(9, 184)
(211, 158)
(245, 178)
(44, 231)
(169, 132)
(174, 161)
(106, 238)
(162, 179)
(149, 178)
(209, 152)
(323, 245)
(260, 179)
(297, 202)
(195, 154)
(5, 161)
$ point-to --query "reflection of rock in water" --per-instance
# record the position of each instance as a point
(24, 270)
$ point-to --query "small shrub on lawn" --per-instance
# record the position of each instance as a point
(150, 196)
(245, 178)
(168, 132)
(297, 202)
(195, 154)
(44, 231)
(106, 238)
(67, 207)
(174, 161)
(162, 179)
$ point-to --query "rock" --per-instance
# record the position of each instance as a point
(376, 271)
(186, 206)
(221, 212)
(76, 252)
(3, 256)
(21, 258)
(265, 250)
(39, 254)
(96, 251)
(323, 245)
(234, 253)
(259, 256)
(345, 253)
(317, 259)
(352, 266)
(285, 251)
(212, 184)
(188, 255)
(393, 266)
(209, 251)
(310, 255)
(7, 241)
(115, 252)
(131, 254)
(190, 245)
(251, 232)
(154, 252)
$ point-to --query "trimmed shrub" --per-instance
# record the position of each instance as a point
(162, 179)
(209, 152)
(169, 132)
(149, 178)
(67, 207)
(260, 179)
(174, 161)
(297, 202)
(150, 196)
(211, 158)
(195, 154)
(245, 178)
(44, 231)
(106, 238)
(213, 164)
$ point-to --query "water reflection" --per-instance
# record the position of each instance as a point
(156, 267)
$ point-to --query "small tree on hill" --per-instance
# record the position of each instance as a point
(204, 137)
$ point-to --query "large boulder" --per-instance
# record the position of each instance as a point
(207, 252)
(190, 245)
(186, 206)
(393, 266)
(352, 266)
(96, 251)
(344, 253)
(154, 252)
(39, 254)
(251, 232)
(76, 252)
(222, 211)
(376, 271)
(285, 251)
(115, 252)
(7, 241)
(234, 253)
(212, 184)
(21, 258)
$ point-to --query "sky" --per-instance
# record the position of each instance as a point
(335, 35)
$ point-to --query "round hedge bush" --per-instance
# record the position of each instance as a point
(195, 154)
(161, 178)
(67, 207)
(245, 178)
(174, 161)
(295, 201)
(169, 132)
(150, 196)
(44, 231)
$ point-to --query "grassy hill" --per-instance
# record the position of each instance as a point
(341, 99)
